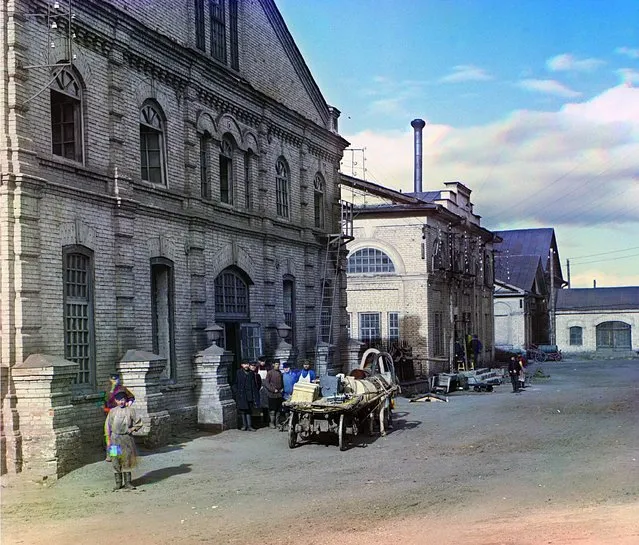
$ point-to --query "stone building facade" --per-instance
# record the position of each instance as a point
(166, 166)
(420, 273)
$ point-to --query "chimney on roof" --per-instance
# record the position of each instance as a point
(418, 125)
(594, 283)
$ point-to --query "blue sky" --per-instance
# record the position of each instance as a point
(534, 105)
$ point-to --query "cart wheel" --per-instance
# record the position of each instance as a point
(476, 388)
(540, 356)
(292, 434)
(341, 432)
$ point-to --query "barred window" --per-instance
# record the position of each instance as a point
(231, 295)
(226, 170)
(218, 30)
(66, 116)
(288, 296)
(205, 157)
(369, 327)
(282, 188)
(393, 326)
(152, 144)
(78, 312)
(318, 202)
(576, 336)
(233, 34)
(370, 260)
(199, 25)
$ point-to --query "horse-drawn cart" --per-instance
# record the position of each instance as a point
(346, 404)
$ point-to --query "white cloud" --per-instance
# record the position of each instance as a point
(576, 169)
(466, 72)
(568, 63)
(628, 76)
(628, 52)
(548, 87)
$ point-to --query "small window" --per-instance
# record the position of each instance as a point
(231, 295)
(393, 326)
(282, 188)
(318, 200)
(233, 34)
(78, 312)
(151, 145)
(218, 30)
(576, 336)
(370, 260)
(66, 116)
(205, 147)
(200, 42)
(369, 327)
(226, 170)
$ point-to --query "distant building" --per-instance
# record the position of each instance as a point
(527, 268)
(601, 320)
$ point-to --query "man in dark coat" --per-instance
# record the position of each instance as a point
(274, 385)
(513, 370)
(247, 394)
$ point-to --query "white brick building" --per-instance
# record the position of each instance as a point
(165, 165)
(420, 272)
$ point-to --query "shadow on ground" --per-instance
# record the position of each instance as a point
(160, 474)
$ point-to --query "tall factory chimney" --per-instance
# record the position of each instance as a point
(418, 125)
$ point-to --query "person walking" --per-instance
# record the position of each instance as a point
(274, 385)
(247, 394)
(120, 424)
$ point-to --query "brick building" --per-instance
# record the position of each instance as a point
(420, 273)
(166, 166)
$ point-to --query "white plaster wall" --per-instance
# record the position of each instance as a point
(589, 322)
(510, 323)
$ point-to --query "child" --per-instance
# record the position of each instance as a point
(120, 423)
(109, 400)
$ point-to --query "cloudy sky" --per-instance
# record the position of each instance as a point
(533, 104)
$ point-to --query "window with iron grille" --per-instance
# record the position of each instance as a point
(369, 327)
(282, 188)
(370, 260)
(250, 342)
(233, 35)
(288, 296)
(318, 202)
(66, 116)
(78, 312)
(226, 170)
(393, 326)
(151, 144)
(576, 336)
(248, 174)
(205, 146)
(231, 295)
(218, 30)
(200, 42)
(438, 334)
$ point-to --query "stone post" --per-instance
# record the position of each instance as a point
(140, 372)
(354, 351)
(286, 352)
(324, 360)
(50, 439)
(215, 406)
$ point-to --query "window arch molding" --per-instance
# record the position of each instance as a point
(387, 249)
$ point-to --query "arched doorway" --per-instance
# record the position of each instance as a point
(232, 311)
(614, 336)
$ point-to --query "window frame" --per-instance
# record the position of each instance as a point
(205, 140)
(200, 25)
(234, 34)
(66, 90)
(227, 151)
(362, 317)
(288, 281)
(217, 20)
(227, 310)
(156, 263)
(282, 189)
(393, 328)
(89, 301)
(318, 200)
(576, 335)
(367, 258)
(150, 125)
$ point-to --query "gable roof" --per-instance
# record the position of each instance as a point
(518, 270)
(621, 298)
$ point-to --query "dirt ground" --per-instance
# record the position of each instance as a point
(555, 464)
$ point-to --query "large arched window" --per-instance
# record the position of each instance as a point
(282, 188)
(231, 295)
(152, 144)
(370, 260)
(66, 116)
(226, 169)
(614, 336)
(318, 200)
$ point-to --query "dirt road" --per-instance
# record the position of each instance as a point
(556, 464)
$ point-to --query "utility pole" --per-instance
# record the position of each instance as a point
(568, 271)
(552, 296)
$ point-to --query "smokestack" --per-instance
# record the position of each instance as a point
(418, 125)
(594, 283)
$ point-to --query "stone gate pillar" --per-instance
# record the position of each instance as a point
(216, 409)
(50, 439)
(140, 372)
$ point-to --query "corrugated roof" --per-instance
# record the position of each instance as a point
(517, 270)
(526, 242)
(621, 298)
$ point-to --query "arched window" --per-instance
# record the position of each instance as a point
(248, 179)
(614, 336)
(226, 170)
(231, 295)
(66, 116)
(152, 145)
(79, 346)
(318, 201)
(282, 188)
(576, 336)
(205, 161)
(370, 260)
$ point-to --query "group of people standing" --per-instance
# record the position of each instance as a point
(517, 372)
(259, 385)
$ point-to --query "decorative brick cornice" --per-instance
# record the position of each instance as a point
(154, 70)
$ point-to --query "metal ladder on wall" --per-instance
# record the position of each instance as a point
(330, 275)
